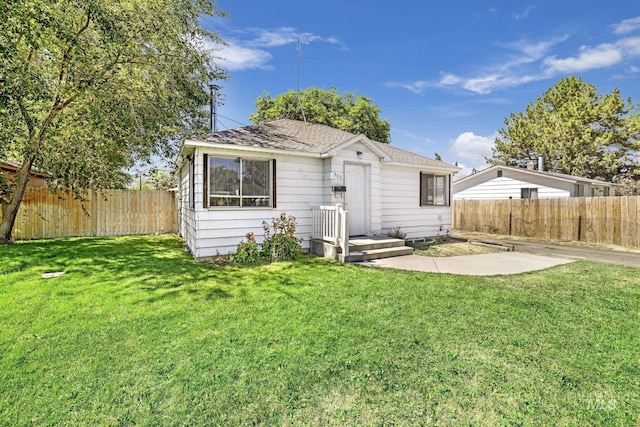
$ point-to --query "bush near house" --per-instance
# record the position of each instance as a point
(280, 242)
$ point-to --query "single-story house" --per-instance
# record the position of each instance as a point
(504, 182)
(9, 170)
(231, 181)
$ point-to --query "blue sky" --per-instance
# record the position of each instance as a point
(445, 74)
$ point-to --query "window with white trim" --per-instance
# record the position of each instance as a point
(434, 190)
(240, 182)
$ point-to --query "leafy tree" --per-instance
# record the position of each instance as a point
(89, 86)
(349, 112)
(161, 179)
(577, 130)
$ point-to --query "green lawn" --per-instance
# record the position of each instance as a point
(136, 332)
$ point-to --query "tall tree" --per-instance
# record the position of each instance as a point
(349, 112)
(161, 179)
(89, 86)
(577, 130)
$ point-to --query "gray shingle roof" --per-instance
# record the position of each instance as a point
(294, 135)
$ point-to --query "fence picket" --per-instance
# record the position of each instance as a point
(610, 220)
(45, 215)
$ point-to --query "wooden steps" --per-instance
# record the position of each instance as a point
(368, 248)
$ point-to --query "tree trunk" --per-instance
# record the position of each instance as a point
(10, 210)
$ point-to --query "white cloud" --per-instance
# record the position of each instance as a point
(522, 15)
(528, 52)
(630, 46)
(472, 148)
(501, 76)
(449, 79)
(254, 53)
(486, 83)
(283, 36)
(235, 57)
(627, 26)
(412, 136)
(601, 56)
(287, 35)
(533, 61)
(589, 58)
(416, 87)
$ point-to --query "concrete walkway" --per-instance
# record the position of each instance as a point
(473, 265)
(579, 250)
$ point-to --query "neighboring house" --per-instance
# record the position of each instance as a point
(232, 181)
(504, 182)
(9, 169)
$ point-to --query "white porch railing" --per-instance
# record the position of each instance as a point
(330, 224)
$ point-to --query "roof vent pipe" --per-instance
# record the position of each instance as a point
(540, 163)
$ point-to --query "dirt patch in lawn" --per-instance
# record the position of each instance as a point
(455, 249)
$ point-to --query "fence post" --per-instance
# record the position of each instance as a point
(510, 215)
(579, 227)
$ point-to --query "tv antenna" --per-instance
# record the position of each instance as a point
(213, 94)
(299, 50)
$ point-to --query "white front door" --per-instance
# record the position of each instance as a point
(356, 198)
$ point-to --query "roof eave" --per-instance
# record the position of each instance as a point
(247, 148)
(448, 169)
(358, 138)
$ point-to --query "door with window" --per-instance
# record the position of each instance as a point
(356, 198)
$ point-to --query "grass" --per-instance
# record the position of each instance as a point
(135, 332)
(454, 249)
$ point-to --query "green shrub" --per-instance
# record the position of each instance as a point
(248, 252)
(280, 242)
(397, 233)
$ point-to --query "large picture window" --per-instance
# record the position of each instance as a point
(240, 182)
(434, 190)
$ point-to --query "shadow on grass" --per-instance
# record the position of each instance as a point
(155, 265)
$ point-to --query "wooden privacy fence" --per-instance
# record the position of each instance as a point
(608, 220)
(44, 215)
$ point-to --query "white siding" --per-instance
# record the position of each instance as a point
(301, 184)
(186, 215)
(503, 188)
(400, 204)
(509, 185)
(299, 187)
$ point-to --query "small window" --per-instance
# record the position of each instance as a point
(606, 192)
(578, 190)
(434, 190)
(239, 182)
(499, 174)
(528, 193)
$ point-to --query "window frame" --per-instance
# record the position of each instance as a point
(192, 182)
(241, 198)
(529, 191)
(425, 188)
